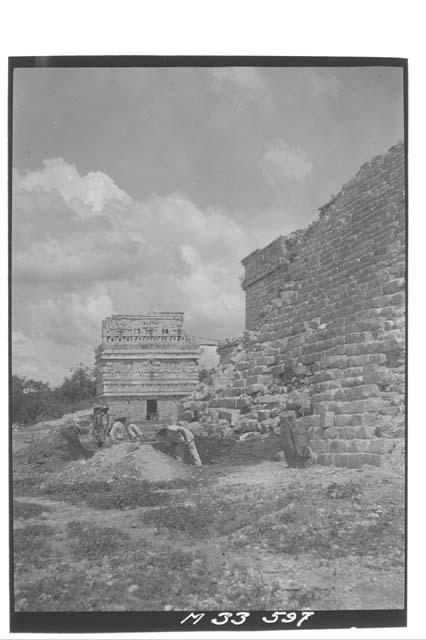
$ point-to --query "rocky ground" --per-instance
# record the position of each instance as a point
(226, 536)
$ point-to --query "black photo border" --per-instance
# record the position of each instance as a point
(156, 621)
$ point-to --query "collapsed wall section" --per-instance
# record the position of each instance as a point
(327, 306)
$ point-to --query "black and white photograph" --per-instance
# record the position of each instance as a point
(208, 261)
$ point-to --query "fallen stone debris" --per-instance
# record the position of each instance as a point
(323, 360)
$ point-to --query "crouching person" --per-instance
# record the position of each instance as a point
(180, 440)
(135, 432)
(117, 431)
(121, 431)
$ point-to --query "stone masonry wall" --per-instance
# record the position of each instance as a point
(329, 350)
(135, 409)
(265, 271)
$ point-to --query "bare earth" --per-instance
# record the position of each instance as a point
(258, 536)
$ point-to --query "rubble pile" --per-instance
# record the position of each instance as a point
(124, 461)
(327, 354)
(245, 400)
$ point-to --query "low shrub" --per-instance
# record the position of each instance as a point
(31, 547)
(92, 542)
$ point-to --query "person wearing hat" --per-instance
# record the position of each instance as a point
(100, 421)
(180, 440)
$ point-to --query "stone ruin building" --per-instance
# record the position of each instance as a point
(325, 338)
(145, 365)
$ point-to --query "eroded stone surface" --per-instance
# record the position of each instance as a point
(325, 318)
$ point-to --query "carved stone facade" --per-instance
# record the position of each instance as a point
(145, 364)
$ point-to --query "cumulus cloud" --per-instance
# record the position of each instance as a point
(95, 190)
(70, 270)
(282, 161)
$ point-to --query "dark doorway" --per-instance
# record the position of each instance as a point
(151, 409)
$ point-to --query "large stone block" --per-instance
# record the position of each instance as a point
(327, 419)
(341, 459)
(250, 425)
(394, 285)
(331, 432)
(365, 431)
(356, 460)
(278, 370)
(320, 446)
(232, 415)
(325, 459)
(338, 446)
(362, 391)
(342, 419)
(313, 420)
(255, 388)
(265, 361)
(229, 403)
(381, 445)
(348, 433)
(244, 401)
(255, 380)
(374, 459)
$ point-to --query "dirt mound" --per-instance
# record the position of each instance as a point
(125, 461)
(51, 451)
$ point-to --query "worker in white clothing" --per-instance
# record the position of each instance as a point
(134, 432)
(117, 432)
(121, 431)
(180, 440)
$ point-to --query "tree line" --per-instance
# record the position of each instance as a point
(33, 401)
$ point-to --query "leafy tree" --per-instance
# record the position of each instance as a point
(29, 398)
(81, 385)
(32, 400)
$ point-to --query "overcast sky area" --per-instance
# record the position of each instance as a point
(142, 189)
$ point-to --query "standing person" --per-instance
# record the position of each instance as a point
(99, 424)
(180, 439)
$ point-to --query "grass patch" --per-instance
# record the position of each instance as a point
(25, 510)
(333, 533)
(122, 494)
(31, 547)
(93, 542)
(213, 515)
(28, 485)
(161, 576)
(67, 590)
